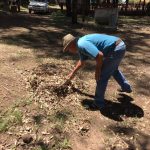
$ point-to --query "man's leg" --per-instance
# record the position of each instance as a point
(120, 78)
(108, 68)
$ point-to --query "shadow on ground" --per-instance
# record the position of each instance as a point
(123, 107)
(43, 34)
(140, 140)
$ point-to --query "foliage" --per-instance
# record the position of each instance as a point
(10, 118)
(65, 144)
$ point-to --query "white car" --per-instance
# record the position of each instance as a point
(38, 6)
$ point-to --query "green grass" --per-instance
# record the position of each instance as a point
(65, 144)
(9, 119)
(22, 102)
(13, 116)
(59, 119)
(17, 116)
(4, 124)
(61, 144)
(60, 116)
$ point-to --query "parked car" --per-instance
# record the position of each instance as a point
(38, 6)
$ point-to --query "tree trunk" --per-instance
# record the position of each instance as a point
(85, 8)
(115, 3)
(127, 2)
(97, 3)
(74, 11)
(18, 4)
(143, 6)
(68, 7)
(6, 5)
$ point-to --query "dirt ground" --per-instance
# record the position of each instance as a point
(36, 114)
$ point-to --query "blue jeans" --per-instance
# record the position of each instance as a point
(110, 68)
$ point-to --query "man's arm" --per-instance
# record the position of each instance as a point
(99, 62)
(77, 67)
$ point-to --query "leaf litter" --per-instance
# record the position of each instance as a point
(48, 88)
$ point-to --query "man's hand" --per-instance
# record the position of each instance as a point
(77, 67)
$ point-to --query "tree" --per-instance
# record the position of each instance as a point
(97, 3)
(74, 11)
(127, 2)
(115, 3)
(143, 6)
(5, 5)
(85, 8)
(68, 7)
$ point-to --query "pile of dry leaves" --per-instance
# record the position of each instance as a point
(48, 86)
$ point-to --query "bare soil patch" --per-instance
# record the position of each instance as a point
(38, 112)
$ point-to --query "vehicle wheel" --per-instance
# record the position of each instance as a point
(30, 11)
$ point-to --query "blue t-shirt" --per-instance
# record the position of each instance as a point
(90, 45)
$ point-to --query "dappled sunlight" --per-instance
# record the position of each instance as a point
(34, 70)
(11, 31)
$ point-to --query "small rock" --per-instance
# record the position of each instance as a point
(27, 138)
